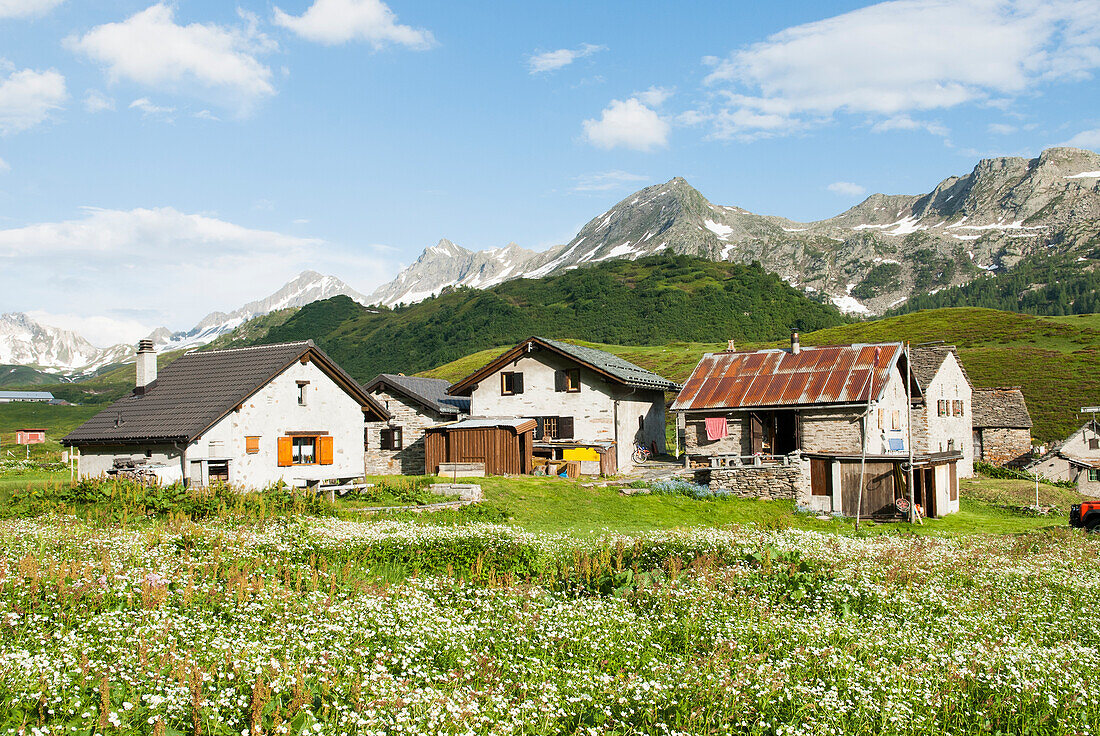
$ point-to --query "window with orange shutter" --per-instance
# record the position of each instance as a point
(324, 450)
(251, 445)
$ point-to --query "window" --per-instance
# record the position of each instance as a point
(303, 451)
(251, 445)
(1094, 475)
(957, 408)
(941, 408)
(391, 438)
(895, 419)
(554, 428)
(302, 392)
(568, 381)
(511, 383)
(1094, 443)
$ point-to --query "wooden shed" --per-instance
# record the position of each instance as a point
(30, 436)
(885, 480)
(503, 446)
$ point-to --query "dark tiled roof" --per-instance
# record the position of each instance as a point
(1000, 407)
(611, 366)
(842, 374)
(624, 370)
(927, 359)
(196, 390)
(431, 392)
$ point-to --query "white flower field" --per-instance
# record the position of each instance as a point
(313, 625)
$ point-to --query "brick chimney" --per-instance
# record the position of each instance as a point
(796, 347)
(146, 365)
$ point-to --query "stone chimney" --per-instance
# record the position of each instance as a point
(729, 347)
(146, 365)
(796, 347)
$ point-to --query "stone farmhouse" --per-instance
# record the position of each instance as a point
(1002, 427)
(414, 404)
(808, 424)
(1076, 459)
(247, 416)
(582, 399)
(943, 421)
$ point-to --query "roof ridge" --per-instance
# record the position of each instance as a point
(221, 351)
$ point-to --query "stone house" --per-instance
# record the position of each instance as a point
(575, 394)
(1077, 459)
(414, 404)
(1002, 427)
(943, 421)
(248, 417)
(809, 423)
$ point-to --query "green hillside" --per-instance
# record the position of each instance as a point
(1042, 284)
(22, 375)
(651, 301)
(1055, 360)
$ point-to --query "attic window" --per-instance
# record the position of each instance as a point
(1094, 444)
(302, 392)
(511, 383)
(568, 381)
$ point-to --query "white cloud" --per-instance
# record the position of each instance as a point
(149, 110)
(904, 122)
(159, 266)
(654, 96)
(606, 181)
(1001, 129)
(846, 189)
(1085, 139)
(549, 61)
(4, 166)
(628, 123)
(26, 8)
(99, 330)
(203, 59)
(904, 56)
(95, 101)
(27, 97)
(333, 22)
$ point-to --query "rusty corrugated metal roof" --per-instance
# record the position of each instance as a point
(845, 374)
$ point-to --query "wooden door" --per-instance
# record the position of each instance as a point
(821, 477)
(954, 489)
(756, 430)
(930, 492)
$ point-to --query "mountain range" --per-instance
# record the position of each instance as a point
(865, 260)
(53, 350)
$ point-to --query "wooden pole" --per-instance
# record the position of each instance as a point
(863, 453)
(909, 423)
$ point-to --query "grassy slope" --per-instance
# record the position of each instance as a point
(57, 420)
(1055, 360)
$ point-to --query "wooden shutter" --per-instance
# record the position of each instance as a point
(565, 428)
(560, 381)
(517, 383)
(324, 450)
(285, 452)
(540, 428)
(251, 445)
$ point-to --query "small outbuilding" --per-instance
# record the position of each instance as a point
(501, 446)
(1002, 427)
(1077, 459)
(30, 436)
(414, 404)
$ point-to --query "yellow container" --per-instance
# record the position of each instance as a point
(580, 454)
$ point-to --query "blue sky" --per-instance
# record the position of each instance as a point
(161, 161)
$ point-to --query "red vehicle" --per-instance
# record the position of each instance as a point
(1085, 516)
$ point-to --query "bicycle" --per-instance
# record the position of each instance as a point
(641, 454)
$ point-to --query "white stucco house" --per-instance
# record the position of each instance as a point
(575, 394)
(944, 420)
(247, 416)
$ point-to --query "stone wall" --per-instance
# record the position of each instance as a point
(1005, 446)
(413, 420)
(734, 443)
(758, 481)
(831, 430)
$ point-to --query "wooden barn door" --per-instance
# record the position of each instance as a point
(821, 477)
